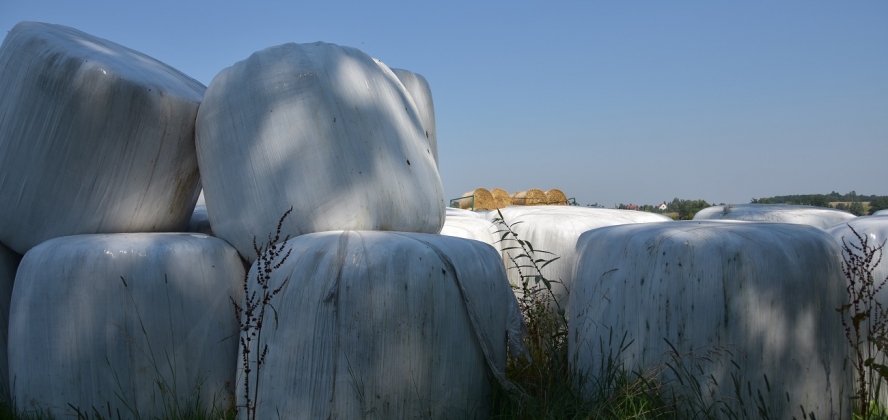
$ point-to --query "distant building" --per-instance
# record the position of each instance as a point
(662, 206)
(632, 207)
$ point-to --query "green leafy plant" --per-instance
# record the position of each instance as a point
(865, 321)
(251, 316)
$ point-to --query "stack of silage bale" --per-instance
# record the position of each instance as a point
(335, 136)
(97, 140)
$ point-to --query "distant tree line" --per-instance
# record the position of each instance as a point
(678, 209)
(851, 202)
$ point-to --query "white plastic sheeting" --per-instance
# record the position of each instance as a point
(104, 321)
(767, 292)
(421, 93)
(556, 229)
(470, 227)
(321, 128)
(881, 213)
(9, 261)
(400, 325)
(94, 138)
(804, 215)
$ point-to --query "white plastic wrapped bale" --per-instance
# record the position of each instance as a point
(881, 213)
(200, 221)
(804, 215)
(875, 229)
(421, 93)
(321, 128)
(94, 138)
(455, 212)
(401, 325)
(470, 227)
(556, 229)
(106, 321)
(9, 261)
(766, 292)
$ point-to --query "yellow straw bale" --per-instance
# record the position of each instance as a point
(556, 197)
(483, 200)
(502, 197)
(531, 197)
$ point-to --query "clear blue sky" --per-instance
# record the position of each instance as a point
(610, 101)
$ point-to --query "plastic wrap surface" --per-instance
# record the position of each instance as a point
(881, 213)
(765, 292)
(9, 262)
(470, 227)
(455, 212)
(875, 229)
(99, 320)
(803, 215)
(321, 128)
(421, 93)
(556, 229)
(402, 325)
(94, 138)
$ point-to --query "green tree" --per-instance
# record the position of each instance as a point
(880, 203)
(856, 208)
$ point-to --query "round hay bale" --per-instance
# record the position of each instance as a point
(419, 90)
(761, 288)
(94, 138)
(358, 160)
(502, 197)
(134, 311)
(483, 200)
(556, 197)
(531, 197)
(786, 213)
(9, 262)
(416, 322)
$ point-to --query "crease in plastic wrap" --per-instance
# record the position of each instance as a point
(761, 295)
(103, 321)
(321, 128)
(785, 213)
(399, 324)
(556, 229)
(472, 227)
(421, 93)
(94, 138)
(9, 262)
